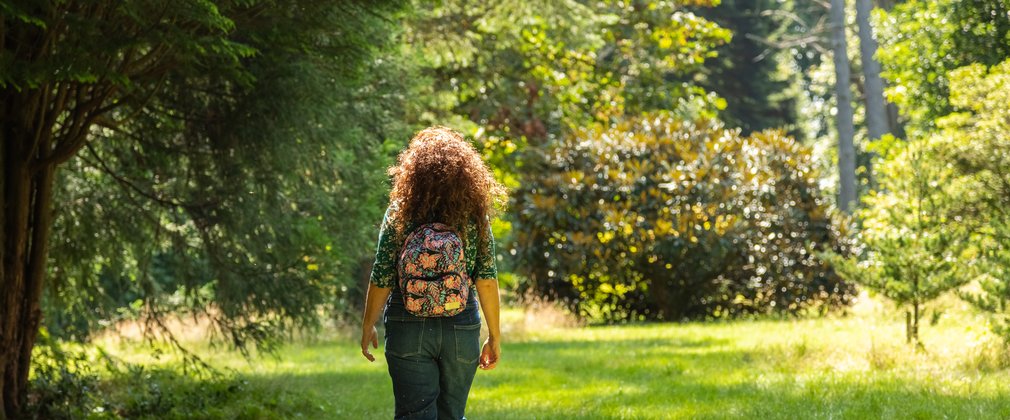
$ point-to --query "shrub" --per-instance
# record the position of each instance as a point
(63, 385)
(75, 384)
(656, 218)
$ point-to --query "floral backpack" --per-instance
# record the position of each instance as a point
(432, 271)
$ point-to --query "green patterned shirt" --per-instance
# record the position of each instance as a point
(480, 254)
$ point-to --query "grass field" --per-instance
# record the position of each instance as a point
(855, 366)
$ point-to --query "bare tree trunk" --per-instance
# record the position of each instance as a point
(17, 195)
(3, 294)
(5, 301)
(15, 205)
(876, 110)
(843, 96)
(915, 310)
(26, 210)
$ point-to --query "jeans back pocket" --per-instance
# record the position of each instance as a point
(467, 342)
(404, 336)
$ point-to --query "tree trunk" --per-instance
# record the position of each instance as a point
(5, 302)
(843, 96)
(915, 322)
(894, 121)
(915, 311)
(876, 109)
(887, 4)
(908, 327)
(25, 201)
(16, 194)
(659, 289)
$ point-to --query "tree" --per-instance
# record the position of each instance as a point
(568, 64)
(912, 241)
(876, 109)
(55, 88)
(843, 96)
(943, 61)
(76, 72)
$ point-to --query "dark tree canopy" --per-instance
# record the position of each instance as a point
(755, 78)
(200, 137)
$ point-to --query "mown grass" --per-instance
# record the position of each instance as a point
(857, 366)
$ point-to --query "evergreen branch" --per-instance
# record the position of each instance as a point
(99, 163)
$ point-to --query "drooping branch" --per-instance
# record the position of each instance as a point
(100, 164)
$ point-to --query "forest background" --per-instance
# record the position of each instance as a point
(688, 160)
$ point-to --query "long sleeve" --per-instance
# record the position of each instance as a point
(485, 267)
(384, 270)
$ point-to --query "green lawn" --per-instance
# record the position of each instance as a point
(840, 367)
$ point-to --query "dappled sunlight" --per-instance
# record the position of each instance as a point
(850, 366)
(688, 208)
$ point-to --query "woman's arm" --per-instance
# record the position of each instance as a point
(380, 283)
(375, 301)
(486, 280)
(487, 292)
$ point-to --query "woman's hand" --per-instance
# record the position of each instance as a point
(487, 292)
(490, 354)
(375, 301)
(369, 336)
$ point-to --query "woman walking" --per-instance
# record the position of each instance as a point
(435, 253)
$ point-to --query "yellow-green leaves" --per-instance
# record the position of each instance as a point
(681, 218)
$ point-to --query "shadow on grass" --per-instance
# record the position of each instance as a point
(664, 377)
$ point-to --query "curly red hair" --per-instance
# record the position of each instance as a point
(440, 177)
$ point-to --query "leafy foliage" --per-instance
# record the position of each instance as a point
(64, 386)
(975, 140)
(657, 218)
(922, 41)
(74, 383)
(565, 64)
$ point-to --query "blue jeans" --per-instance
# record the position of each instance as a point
(432, 361)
